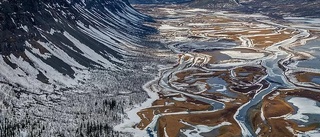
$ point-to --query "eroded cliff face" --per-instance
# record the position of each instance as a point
(64, 62)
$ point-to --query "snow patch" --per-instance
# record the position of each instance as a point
(241, 55)
(198, 129)
(301, 104)
(168, 27)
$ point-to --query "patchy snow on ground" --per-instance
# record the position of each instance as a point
(198, 129)
(168, 27)
(312, 133)
(258, 130)
(225, 99)
(225, 13)
(196, 10)
(170, 11)
(180, 38)
(241, 55)
(199, 24)
(128, 124)
(305, 106)
(182, 98)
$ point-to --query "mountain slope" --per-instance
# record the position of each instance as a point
(48, 43)
(69, 67)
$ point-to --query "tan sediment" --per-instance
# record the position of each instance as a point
(275, 108)
(305, 76)
(224, 28)
(182, 74)
(249, 31)
(302, 93)
(262, 41)
(173, 124)
(206, 18)
(166, 104)
(315, 32)
(256, 121)
(200, 30)
(279, 128)
(214, 55)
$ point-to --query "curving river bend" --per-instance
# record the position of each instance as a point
(227, 65)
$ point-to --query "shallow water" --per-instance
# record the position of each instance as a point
(315, 80)
(228, 79)
(197, 46)
(218, 85)
(308, 117)
(313, 48)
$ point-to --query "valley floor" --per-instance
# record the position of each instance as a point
(235, 75)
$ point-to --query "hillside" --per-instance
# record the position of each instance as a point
(62, 62)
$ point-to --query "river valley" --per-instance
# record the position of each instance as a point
(236, 75)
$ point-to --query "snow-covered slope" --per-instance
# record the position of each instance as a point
(49, 44)
(70, 67)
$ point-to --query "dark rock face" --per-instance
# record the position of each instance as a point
(41, 14)
(98, 25)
